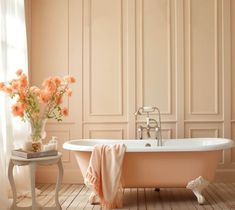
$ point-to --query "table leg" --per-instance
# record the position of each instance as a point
(12, 183)
(58, 183)
(32, 178)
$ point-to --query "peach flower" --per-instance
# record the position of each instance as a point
(23, 81)
(35, 90)
(44, 96)
(65, 111)
(49, 84)
(69, 92)
(46, 81)
(8, 89)
(15, 85)
(19, 72)
(22, 96)
(57, 80)
(17, 110)
(1, 85)
(70, 79)
(24, 105)
(59, 100)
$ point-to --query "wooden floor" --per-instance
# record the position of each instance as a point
(218, 196)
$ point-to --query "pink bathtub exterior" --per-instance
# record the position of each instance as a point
(161, 169)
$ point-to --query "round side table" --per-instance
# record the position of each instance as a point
(14, 160)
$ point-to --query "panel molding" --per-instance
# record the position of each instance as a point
(120, 131)
(140, 101)
(89, 102)
(216, 80)
(216, 131)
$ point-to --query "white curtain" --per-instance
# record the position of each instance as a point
(13, 56)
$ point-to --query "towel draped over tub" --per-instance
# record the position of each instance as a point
(104, 175)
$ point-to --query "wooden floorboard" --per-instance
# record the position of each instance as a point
(219, 196)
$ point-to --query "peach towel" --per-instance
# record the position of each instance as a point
(104, 175)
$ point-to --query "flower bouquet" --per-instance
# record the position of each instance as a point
(36, 105)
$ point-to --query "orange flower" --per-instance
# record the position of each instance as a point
(70, 79)
(59, 100)
(57, 80)
(49, 84)
(46, 81)
(44, 96)
(24, 105)
(22, 96)
(35, 90)
(8, 89)
(65, 111)
(15, 85)
(19, 72)
(1, 85)
(69, 92)
(18, 110)
(23, 81)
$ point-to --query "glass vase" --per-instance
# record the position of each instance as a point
(37, 133)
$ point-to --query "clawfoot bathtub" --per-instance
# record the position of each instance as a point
(187, 163)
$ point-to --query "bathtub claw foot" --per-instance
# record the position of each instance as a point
(197, 185)
(94, 199)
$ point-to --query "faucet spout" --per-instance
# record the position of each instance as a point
(148, 132)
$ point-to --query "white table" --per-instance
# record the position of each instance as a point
(14, 160)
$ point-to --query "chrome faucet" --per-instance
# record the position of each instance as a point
(151, 124)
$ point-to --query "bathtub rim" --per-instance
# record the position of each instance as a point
(69, 145)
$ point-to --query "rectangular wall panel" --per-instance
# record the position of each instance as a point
(155, 55)
(203, 130)
(104, 62)
(105, 131)
(204, 133)
(202, 64)
(108, 134)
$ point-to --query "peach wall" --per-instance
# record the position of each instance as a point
(175, 54)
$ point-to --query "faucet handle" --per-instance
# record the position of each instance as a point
(146, 110)
(140, 132)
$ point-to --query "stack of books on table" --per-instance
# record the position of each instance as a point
(29, 154)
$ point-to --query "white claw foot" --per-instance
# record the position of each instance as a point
(94, 199)
(197, 185)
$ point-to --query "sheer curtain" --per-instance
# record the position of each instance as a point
(13, 56)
